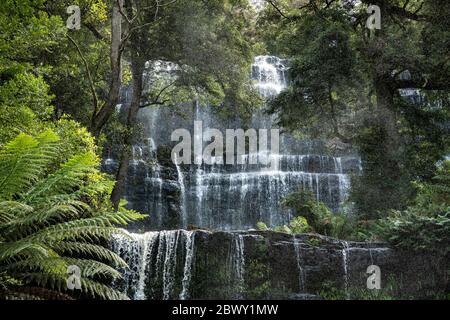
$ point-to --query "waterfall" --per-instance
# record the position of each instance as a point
(345, 252)
(301, 271)
(183, 195)
(170, 239)
(154, 194)
(154, 259)
(137, 253)
(221, 197)
(227, 197)
(237, 263)
(187, 274)
(251, 193)
(137, 156)
(271, 75)
(146, 242)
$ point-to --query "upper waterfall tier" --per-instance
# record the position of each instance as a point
(270, 74)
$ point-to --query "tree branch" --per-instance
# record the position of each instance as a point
(156, 101)
(277, 9)
(88, 72)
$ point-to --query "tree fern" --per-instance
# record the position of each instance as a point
(51, 218)
(23, 160)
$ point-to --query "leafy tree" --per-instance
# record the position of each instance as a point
(54, 215)
(203, 39)
(347, 82)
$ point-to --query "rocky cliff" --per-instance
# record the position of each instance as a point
(267, 265)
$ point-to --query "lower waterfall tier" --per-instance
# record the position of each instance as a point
(182, 264)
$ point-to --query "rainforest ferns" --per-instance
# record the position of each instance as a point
(54, 215)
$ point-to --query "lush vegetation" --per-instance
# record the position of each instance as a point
(347, 83)
(59, 89)
(426, 224)
(54, 215)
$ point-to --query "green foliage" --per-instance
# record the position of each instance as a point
(299, 225)
(331, 292)
(204, 38)
(282, 229)
(257, 280)
(51, 218)
(390, 290)
(411, 229)
(296, 226)
(346, 84)
(317, 215)
(75, 139)
(426, 224)
(314, 241)
(261, 226)
(25, 104)
(257, 273)
(383, 185)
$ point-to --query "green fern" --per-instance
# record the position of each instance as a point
(53, 218)
(426, 224)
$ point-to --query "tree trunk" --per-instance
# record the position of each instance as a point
(137, 68)
(386, 116)
(100, 118)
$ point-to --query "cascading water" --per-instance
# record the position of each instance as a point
(144, 242)
(237, 263)
(227, 197)
(187, 274)
(345, 252)
(222, 197)
(182, 196)
(270, 74)
(301, 271)
(251, 193)
(155, 258)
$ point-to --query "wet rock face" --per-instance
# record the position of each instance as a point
(268, 265)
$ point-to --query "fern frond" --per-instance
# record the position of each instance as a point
(9, 210)
(91, 268)
(96, 289)
(70, 176)
(22, 161)
(91, 229)
(9, 250)
(25, 225)
(51, 219)
(93, 251)
(54, 265)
